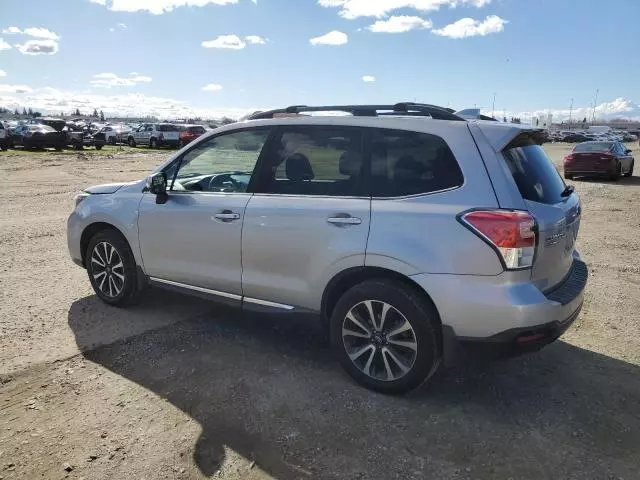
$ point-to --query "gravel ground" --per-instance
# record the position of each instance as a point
(180, 388)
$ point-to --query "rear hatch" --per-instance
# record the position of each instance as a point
(555, 207)
(169, 132)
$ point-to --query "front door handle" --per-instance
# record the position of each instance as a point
(227, 216)
(344, 220)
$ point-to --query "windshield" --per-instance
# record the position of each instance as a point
(593, 147)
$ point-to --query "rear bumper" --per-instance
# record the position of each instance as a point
(591, 170)
(502, 316)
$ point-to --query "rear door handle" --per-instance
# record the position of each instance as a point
(346, 220)
(227, 216)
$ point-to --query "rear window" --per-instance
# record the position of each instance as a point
(410, 163)
(167, 128)
(593, 147)
(534, 173)
(199, 130)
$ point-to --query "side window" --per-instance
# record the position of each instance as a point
(411, 163)
(150, 128)
(317, 161)
(221, 164)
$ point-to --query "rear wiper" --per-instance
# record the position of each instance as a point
(568, 190)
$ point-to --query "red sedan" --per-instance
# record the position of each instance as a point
(607, 159)
(188, 133)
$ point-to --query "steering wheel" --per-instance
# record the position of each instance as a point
(217, 183)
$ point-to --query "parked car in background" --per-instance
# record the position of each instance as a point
(188, 133)
(575, 137)
(155, 135)
(38, 136)
(83, 135)
(115, 133)
(5, 135)
(57, 124)
(321, 214)
(608, 159)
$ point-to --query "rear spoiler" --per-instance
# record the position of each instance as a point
(500, 135)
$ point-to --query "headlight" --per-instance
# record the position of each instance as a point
(80, 197)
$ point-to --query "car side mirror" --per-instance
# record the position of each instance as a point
(157, 185)
(627, 151)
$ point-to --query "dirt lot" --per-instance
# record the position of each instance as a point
(180, 388)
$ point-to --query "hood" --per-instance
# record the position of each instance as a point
(105, 188)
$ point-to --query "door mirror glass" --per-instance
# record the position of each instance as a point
(627, 151)
(157, 183)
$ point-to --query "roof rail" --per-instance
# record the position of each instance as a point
(403, 108)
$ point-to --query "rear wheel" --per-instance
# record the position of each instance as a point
(386, 336)
(132, 142)
(99, 147)
(153, 143)
(630, 172)
(112, 268)
(618, 171)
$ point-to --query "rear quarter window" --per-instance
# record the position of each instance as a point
(533, 171)
(167, 128)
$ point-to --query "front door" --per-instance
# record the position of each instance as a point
(309, 217)
(194, 239)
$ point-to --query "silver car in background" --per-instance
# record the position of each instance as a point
(416, 235)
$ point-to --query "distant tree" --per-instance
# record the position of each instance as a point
(95, 113)
(24, 111)
(30, 112)
(101, 116)
(78, 112)
(504, 119)
(61, 114)
(37, 114)
(226, 120)
(16, 112)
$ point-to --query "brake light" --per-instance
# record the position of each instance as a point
(512, 234)
(606, 157)
(569, 158)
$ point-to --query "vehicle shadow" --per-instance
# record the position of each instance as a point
(267, 388)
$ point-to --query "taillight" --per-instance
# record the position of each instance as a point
(569, 158)
(512, 234)
(606, 157)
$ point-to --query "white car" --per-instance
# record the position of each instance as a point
(155, 135)
(115, 133)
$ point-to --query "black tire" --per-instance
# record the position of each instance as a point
(99, 147)
(153, 143)
(78, 145)
(4, 147)
(416, 310)
(568, 176)
(112, 140)
(130, 291)
(131, 142)
(58, 148)
(615, 176)
(630, 172)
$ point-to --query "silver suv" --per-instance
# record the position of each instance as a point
(417, 235)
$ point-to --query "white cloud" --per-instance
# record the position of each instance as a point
(232, 42)
(3, 73)
(399, 24)
(108, 80)
(157, 7)
(212, 87)
(4, 45)
(15, 89)
(351, 9)
(368, 78)
(254, 39)
(332, 38)
(122, 25)
(36, 32)
(38, 47)
(468, 27)
(51, 101)
(111, 29)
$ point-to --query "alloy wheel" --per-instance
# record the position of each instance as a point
(107, 269)
(379, 340)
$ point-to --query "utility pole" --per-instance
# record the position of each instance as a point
(570, 113)
(493, 105)
(595, 102)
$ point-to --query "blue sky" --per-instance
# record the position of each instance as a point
(534, 54)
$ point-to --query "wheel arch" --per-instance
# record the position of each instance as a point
(91, 230)
(350, 277)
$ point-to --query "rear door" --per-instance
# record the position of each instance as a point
(557, 211)
(309, 218)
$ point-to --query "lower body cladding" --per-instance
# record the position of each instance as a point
(490, 318)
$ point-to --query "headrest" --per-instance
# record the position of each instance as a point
(350, 164)
(298, 168)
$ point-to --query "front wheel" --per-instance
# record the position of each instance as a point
(98, 147)
(112, 268)
(630, 172)
(132, 142)
(386, 336)
(153, 143)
